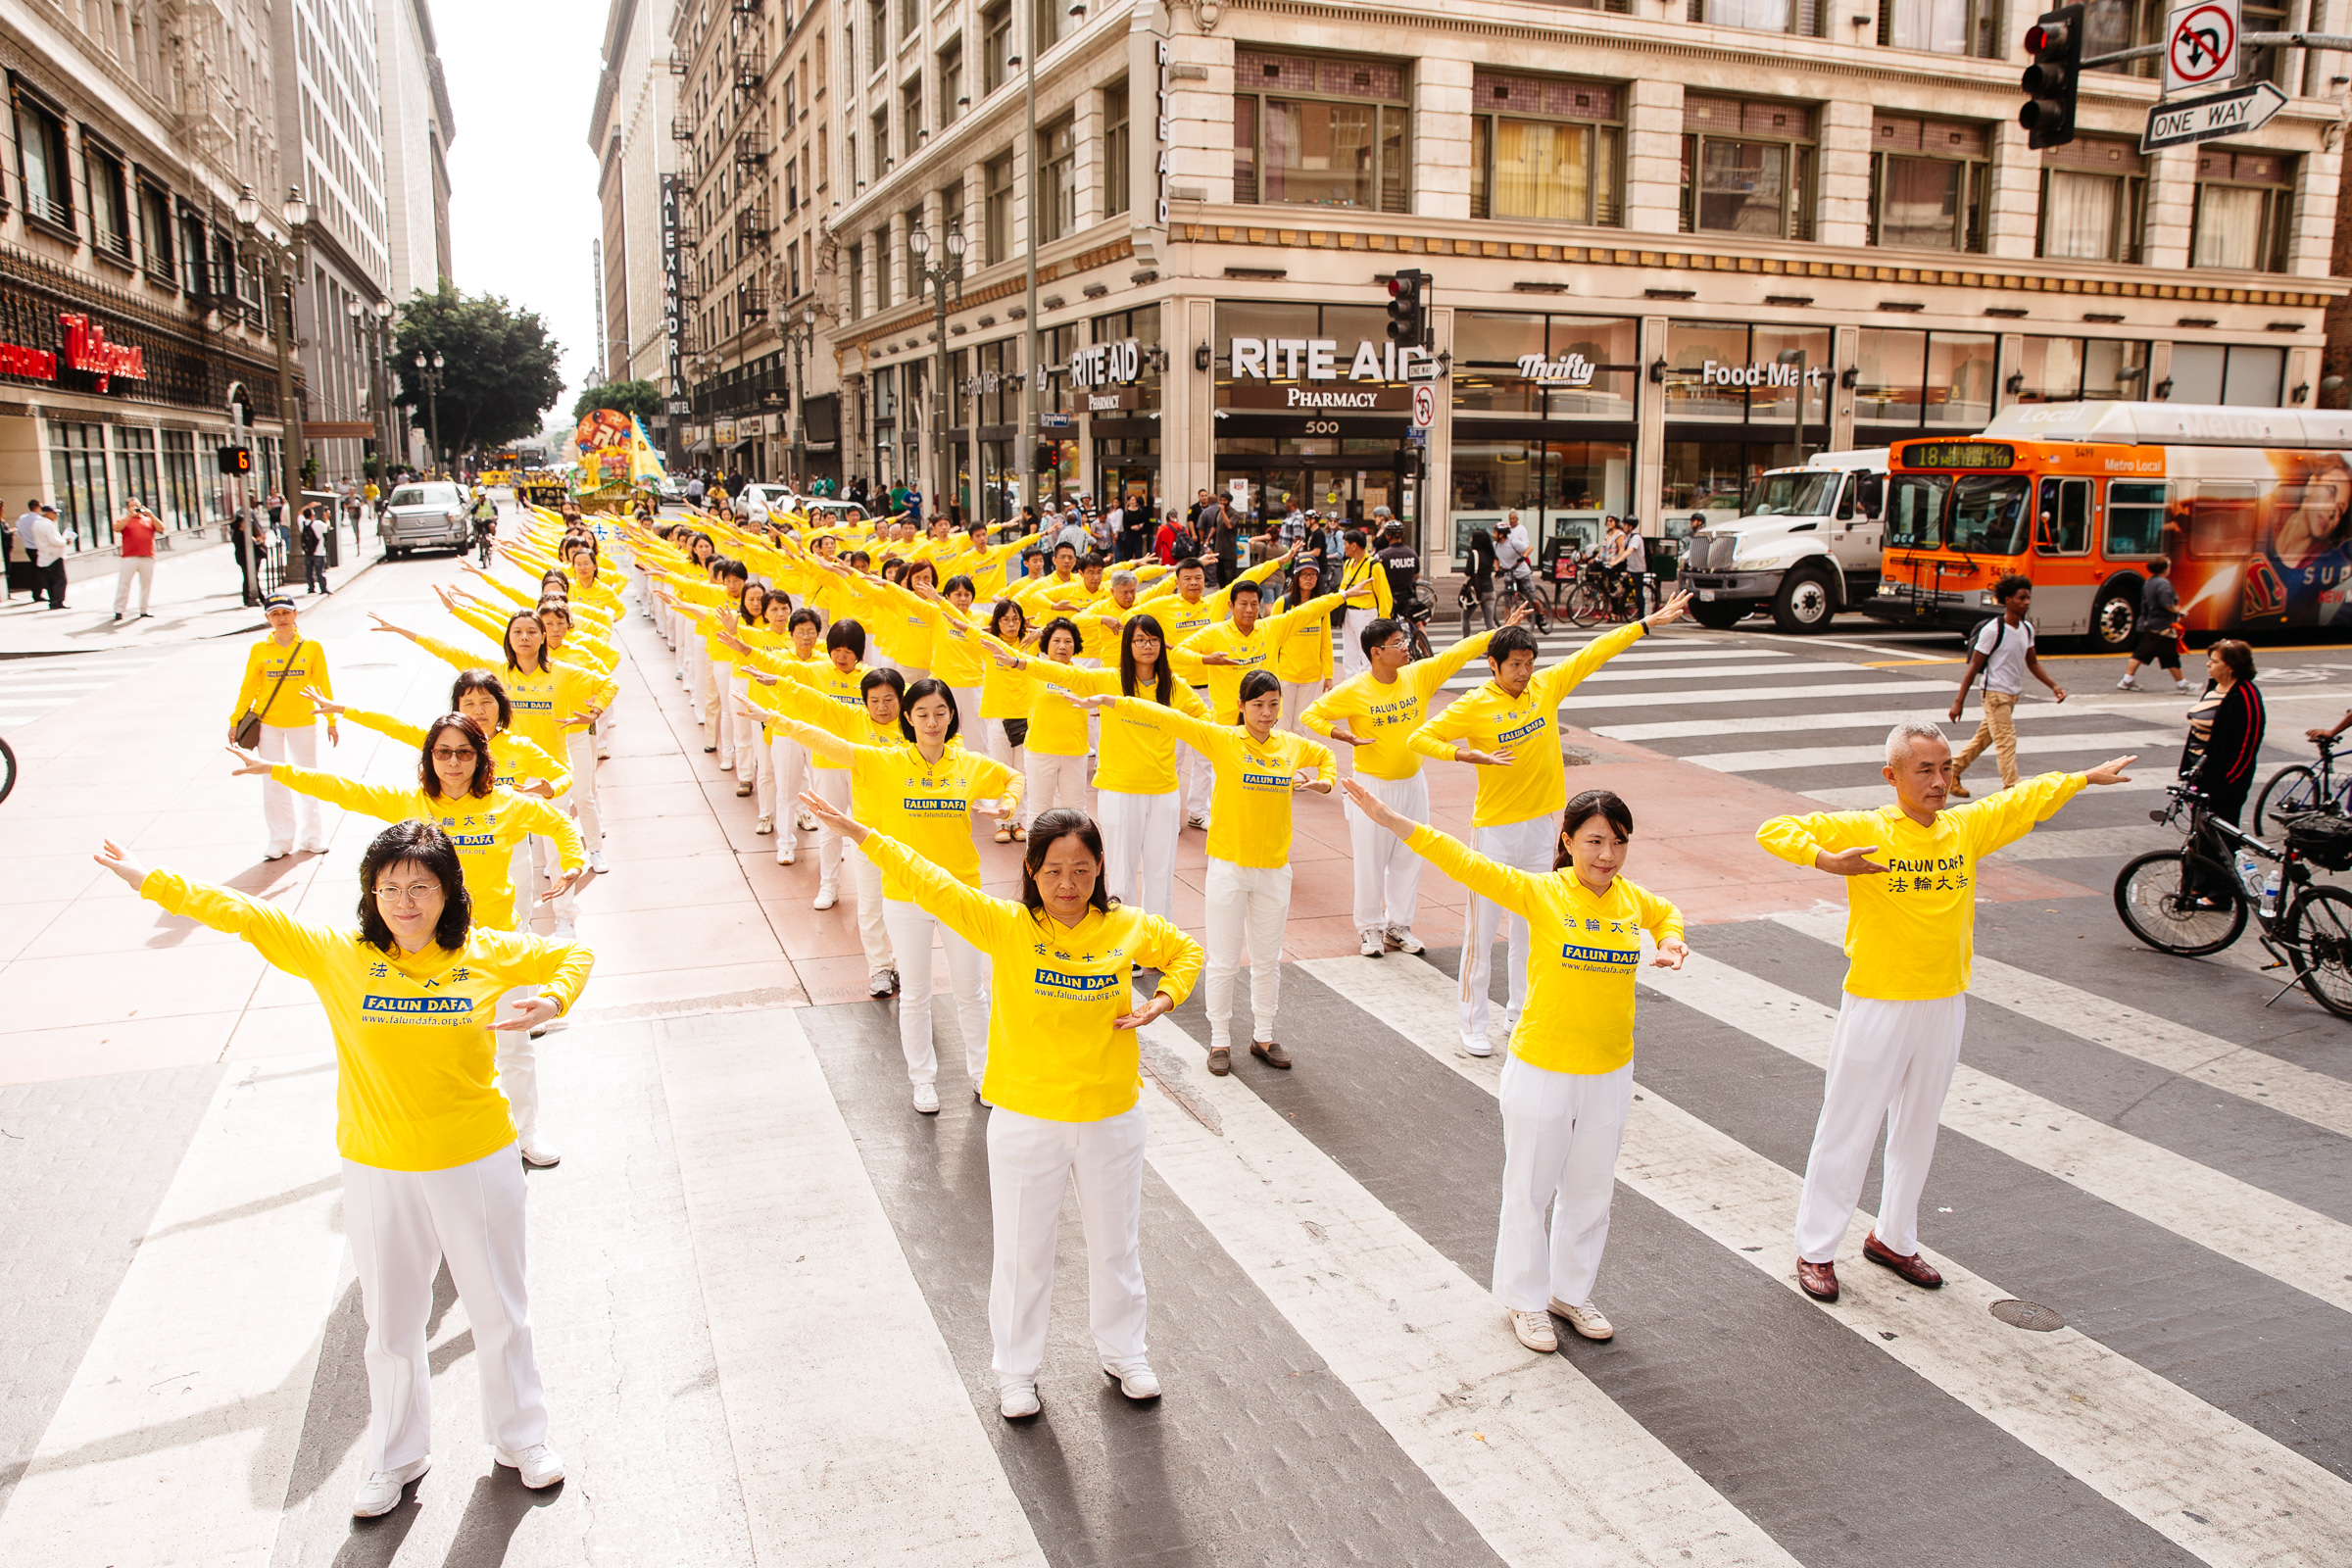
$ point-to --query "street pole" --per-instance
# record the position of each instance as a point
(935, 277)
(429, 376)
(802, 326)
(1797, 356)
(1029, 367)
(287, 262)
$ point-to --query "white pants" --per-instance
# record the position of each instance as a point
(1248, 906)
(580, 749)
(292, 819)
(1528, 846)
(872, 935)
(1138, 848)
(970, 729)
(748, 748)
(1560, 1132)
(1195, 775)
(518, 1069)
(911, 931)
(781, 779)
(697, 686)
(1352, 642)
(1297, 695)
(723, 687)
(1388, 875)
(1890, 1060)
(1052, 781)
(143, 568)
(832, 786)
(402, 1224)
(1031, 1161)
(1000, 748)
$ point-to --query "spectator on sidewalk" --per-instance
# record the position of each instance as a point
(136, 532)
(313, 527)
(47, 545)
(22, 573)
(2002, 651)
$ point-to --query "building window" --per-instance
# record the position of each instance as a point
(2074, 370)
(1928, 182)
(155, 232)
(857, 281)
(1909, 379)
(998, 217)
(877, 34)
(1545, 148)
(41, 167)
(135, 468)
(1802, 17)
(881, 125)
(2093, 192)
(2245, 204)
(882, 269)
(1940, 26)
(195, 252)
(792, 267)
(2243, 375)
(1747, 167)
(1320, 132)
(910, 111)
(950, 82)
(996, 47)
(791, 185)
(1114, 148)
(1045, 23)
(1058, 158)
(85, 512)
(910, 18)
(791, 100)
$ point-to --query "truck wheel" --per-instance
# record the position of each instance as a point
(1718, 616)
(1806, 603)
(2115, 620)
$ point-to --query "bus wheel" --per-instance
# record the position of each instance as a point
(1806, 603)
(2115, 620)
(1718, 616)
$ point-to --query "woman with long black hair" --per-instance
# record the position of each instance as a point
(427, 1143)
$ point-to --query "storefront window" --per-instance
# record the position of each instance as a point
(1890, 381)
(2068, 369)
(135, 477)
(1960, 378)
(85, 510)
(183, 492)
(1560, 367)
(1710, 477)
(2244, 374)
(1545, 148)
(1322, 132)
(1728, 373)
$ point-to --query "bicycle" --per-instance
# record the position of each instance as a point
(2186, 903)
(1519, 588)
(2299, 789)
(1415, 612)
(1598, 598)
(8, 769)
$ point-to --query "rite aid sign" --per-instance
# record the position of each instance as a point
(1317, 359)
(1119, 363)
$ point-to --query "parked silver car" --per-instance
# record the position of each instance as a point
(425, 517)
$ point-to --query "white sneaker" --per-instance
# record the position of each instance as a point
(2127, 684)
(1584, 1319)
(539, 1465)
(727, 764)
(1406, 941)
(880, 986)
(539, 1156)
(379, 1494)
(765, 826)
(827, 895)
(808, 822)
(1536, 1332)
(926, 1099)
(1479, 1045)
(2181, 687)
(1372, 946)
(1018, 1402)
(596, 862)
(1138, 1382)
(784, 851)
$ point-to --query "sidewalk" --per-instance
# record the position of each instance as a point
(196, 597)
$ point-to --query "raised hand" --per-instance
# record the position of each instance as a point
(1672, 611)
(250, 761)
(1671, 954)
(2112, 772)
(1856, 861)
(381, 624)
(834, 818)
(117, 859)
(1520, 612)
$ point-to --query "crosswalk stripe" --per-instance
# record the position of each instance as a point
(2106, 743)
(1884, 686)
(2221, 1213)
(1862, 797)
(1544, 1465)
(1878, 718)
(2179, 1465)
(254, 1201)
(2251, 1075)
(1681, 656)
(817, 1325)
(2083, 843)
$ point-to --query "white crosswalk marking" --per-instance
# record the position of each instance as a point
(2297, 1092)
(1547, 1467)
(1581, 699)
(2106, 743)
(1610, 673)
(2195, 1473)
(2081, 842)
(1677, 729)
(31, 688)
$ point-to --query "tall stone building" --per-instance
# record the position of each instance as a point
(628, 131)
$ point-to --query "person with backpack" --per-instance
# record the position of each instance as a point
(2160, 624)
(313, 529)
(2002, 652)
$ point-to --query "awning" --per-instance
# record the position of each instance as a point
(703, 445)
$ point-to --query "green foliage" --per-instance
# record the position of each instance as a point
(500, 377)
(641, 398)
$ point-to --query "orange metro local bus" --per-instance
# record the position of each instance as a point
(2253, 508)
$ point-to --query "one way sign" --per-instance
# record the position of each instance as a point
(2228, 113)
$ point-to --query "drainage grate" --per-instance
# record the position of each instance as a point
(2027, 1315)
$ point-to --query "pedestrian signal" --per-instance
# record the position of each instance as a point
(236, 460)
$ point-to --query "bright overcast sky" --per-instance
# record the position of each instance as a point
(522, 200)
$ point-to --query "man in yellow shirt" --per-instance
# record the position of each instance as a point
(1910, 939)
(1510, 727)
(1358, 567)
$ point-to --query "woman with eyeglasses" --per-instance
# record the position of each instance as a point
(457, 791)
(427, 1144)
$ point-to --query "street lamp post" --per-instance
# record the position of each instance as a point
(428, 376)
(374, 322)
(799, 330)
(288, 260)
(936, 281)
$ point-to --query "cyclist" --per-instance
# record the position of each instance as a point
(1615, 575)
(485, 524)
(1511, 551)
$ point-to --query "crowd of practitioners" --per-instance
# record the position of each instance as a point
(886, 697)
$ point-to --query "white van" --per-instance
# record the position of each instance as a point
(1806, 547)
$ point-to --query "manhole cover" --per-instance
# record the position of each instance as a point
(2027, 1315)
(1578, 756)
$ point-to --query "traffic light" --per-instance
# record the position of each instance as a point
(2055, 42)
(1408, 312)
(235, 461)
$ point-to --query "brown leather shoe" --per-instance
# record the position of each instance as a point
(1220, 1061)
(1272, 1054)
(1915, 1268)
(1817, 1280)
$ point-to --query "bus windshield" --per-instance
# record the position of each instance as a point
(1915, 510)
(1795, 495)
(1975, 513)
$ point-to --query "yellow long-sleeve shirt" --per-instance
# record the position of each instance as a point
(821, 676)
(1250, 807)
(534, 696)
(485, 828)
(1527, 725)
(512, 757)
(415, 1062)
(304, 666)
(1364, 568)
(1138, 756)
(1181, 617)
(1302, 653)
(1584, 956)
(926, 806)
(1054, 990)
(1387, 712)
(1911, 930)
(1249, 651)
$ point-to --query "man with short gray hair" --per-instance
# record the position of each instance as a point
(1911, 871)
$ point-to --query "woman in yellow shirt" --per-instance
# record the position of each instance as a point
(923, 792)
(1248, 884)
(487, 823)
(1569, 1079)
(427, 1144)
(1005, 697)
(1064, 1075)
(284, 671)
(791, 634)
(1056, 738)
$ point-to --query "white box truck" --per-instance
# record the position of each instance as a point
(1806, 547)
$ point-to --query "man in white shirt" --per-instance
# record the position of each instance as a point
(19, 546)
(2002, 650)
(1512, 549)
(47, 543)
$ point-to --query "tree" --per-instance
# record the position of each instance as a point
(500, 374)
(640, 398)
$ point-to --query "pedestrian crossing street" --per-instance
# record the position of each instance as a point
(790, 1269)
(32, 687)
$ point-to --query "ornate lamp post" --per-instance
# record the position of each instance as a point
(428, 376)
(286, 261)
(799, 330)
(936, 279)
(373, 324)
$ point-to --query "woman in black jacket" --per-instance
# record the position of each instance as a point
(2224, 730)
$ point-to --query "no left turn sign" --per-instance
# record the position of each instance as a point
(2201, 50)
